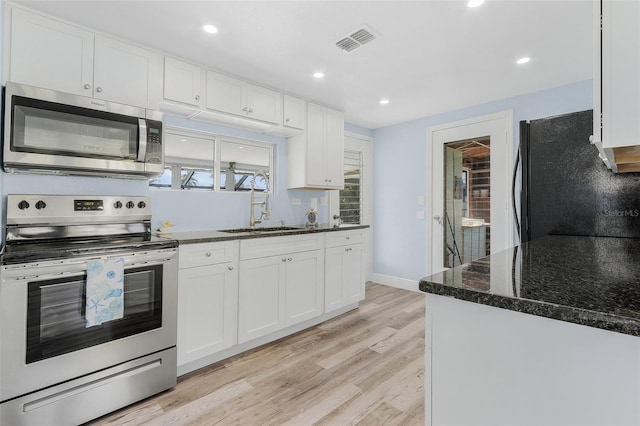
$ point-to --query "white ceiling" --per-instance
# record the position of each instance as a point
(430, 56)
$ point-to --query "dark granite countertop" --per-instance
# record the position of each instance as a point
(207, 236)
(592, 281)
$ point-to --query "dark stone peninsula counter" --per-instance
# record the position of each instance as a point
(547, 333)
(593, 281)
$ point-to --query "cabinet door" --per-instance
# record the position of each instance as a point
(183, 82)
(315, 161)
(304, 286)
(334, 149)
(344, 276)
(294, 112)
(353, 273)
(125, 73)
(50, 54)
(207, 310)
(264, 104)
(261, 297)
(334, 294)
(226, 94)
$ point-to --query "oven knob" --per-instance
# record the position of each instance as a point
(130, 204)
(142, 205)
(41, 205)
(23, 205)
(117, 204)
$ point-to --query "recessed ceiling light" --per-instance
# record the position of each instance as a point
(474, 3)
(384, 101)
(523, 60)
(210, 29)
(318, 75)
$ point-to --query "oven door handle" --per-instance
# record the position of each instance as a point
(142, 139)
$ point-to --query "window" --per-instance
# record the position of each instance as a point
(198, 161)
(350, 196)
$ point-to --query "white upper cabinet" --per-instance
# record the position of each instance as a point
(234, 96)
(617, 84)
(50, 54)
(294, 112)
(315, 157)
(54, 55)
(127, 74)
(184, 82)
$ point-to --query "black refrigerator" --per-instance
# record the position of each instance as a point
(567, 189)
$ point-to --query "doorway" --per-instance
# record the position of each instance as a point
(467, 205)
(479, 159)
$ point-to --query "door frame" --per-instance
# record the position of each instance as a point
(364, 144)
(499, 126)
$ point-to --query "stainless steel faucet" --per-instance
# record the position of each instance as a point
(264, 215)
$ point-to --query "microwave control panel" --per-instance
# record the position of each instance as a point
(154, 142)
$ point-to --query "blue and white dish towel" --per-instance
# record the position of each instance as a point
(105, 291)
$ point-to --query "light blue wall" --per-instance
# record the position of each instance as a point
(401, 173)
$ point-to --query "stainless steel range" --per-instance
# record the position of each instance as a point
(75, 343)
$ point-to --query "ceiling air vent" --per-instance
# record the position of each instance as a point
(356, 39)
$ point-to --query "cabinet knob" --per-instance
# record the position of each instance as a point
(289, 259)
(286, 120)
(230, 268)
(99, 89)
(347, 249)
(348, 238)
(87, 86)
(208, 254)
(250, 110)
(244, 109)
(284, 259)
(197, 97)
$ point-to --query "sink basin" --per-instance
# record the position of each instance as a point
(260, 229)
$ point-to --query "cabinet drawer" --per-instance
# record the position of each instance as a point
(191, 255)
(273, 246)
(343, 238)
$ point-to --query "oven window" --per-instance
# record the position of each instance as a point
(49, 128)
(55, 313)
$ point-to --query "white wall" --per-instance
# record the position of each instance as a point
(401, 175)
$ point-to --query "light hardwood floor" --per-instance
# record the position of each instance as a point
(365, 367)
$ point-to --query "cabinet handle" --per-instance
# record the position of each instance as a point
(208, 254)
(87, 86)
(197, 97)
(286, 120)
(289, 259)
(99, 89)
(230, 268)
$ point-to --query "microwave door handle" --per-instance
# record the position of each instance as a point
(142, 145)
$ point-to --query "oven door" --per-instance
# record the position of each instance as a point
(43, 337)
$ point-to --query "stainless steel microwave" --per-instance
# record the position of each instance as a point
(59, 133)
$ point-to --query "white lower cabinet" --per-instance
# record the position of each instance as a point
(279, 287)
(344, 269)
(207, 299)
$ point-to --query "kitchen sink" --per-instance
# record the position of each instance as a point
(261, 229)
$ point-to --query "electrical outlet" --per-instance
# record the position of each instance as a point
(295, 201)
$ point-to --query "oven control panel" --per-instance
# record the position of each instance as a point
(72, 209)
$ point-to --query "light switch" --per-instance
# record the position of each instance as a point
(295, 201)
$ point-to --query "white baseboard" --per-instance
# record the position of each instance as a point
(395, 282)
